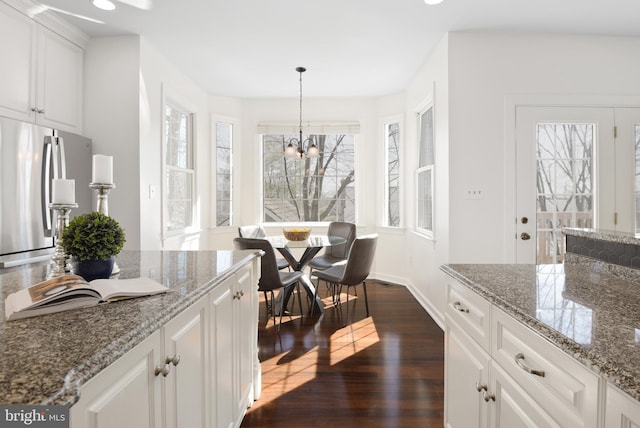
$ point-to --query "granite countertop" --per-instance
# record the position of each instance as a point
(590, 313)
(46, 359)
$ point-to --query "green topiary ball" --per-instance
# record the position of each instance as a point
(93, 236)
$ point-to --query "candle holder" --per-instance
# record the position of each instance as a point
(103, 189)
(59, 259)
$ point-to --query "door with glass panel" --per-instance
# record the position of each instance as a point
(575, 167)
(555, 151)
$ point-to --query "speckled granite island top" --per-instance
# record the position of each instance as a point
(593, 316)
(46, 359)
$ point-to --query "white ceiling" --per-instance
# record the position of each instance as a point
(351, 48)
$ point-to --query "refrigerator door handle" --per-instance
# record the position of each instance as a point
(47, 163)
(61, 158)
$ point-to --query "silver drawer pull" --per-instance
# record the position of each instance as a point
(175, 360)
(458, 306)
(520, 362)
(481, 388)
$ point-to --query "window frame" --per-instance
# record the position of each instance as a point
(328, 132)
(385, 123)
(169, 98)
(428, 169)
(235, 128)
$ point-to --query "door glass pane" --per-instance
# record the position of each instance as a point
(564, 184)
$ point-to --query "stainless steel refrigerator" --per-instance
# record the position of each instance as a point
(30, 157)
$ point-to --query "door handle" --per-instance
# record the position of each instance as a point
(525, 236)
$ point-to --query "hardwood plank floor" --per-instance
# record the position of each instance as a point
(386, 370)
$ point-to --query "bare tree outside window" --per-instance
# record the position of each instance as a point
(311, 189)
(564, 184)
(393, 175)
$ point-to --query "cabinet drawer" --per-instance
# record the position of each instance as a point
(470, 311)
(567, 390)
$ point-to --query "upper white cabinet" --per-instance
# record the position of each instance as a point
(42, 74)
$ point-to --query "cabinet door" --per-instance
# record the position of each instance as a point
(185, 350)
(59, 82)
(244, 337)
(17, 62)
(621, 410)
(511, 407)
(223, 400)
(467, 373)
(125, 394)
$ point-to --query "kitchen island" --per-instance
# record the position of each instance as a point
(564, 338)
(49, 359)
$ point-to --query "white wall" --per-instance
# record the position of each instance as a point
(124, 82)
(486, 71)
(111, 120)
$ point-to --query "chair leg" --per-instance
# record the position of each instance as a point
(366, 300)
(272, 313)
(299, 299)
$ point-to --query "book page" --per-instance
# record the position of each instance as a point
(111, 289)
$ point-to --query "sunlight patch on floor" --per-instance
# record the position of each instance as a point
(286, 371)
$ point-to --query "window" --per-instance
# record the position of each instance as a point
(392, 177)
(424, 173)
(178, 157)
(311, 189)
(224, 142)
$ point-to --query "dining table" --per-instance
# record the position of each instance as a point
(309, 247)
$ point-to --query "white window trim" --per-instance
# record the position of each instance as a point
(426, 104)
(173, 97)
(235, 139)
(399, 119)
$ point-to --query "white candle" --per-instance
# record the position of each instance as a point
(102, 169)
(64, 191)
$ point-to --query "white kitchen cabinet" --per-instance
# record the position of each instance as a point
(42, 73)
(466, 379)
(125, 394)
(506, 375)
(621, 410)
(186, 354)
(198, 370)
(233, 348)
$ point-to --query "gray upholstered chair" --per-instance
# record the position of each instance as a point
(353, 272)
(336, 254)
(258, 232)
(270, 277)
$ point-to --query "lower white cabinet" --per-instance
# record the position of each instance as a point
(125, 394)
(233, 348)
(520, 380)
(621, 410)
(197, 371)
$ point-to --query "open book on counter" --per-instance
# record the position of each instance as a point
(72, 291)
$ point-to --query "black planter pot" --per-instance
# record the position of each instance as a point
(95, 269)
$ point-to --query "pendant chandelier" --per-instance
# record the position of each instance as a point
(295, 148)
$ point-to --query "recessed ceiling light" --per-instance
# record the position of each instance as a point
(104, 4)
(432, 2)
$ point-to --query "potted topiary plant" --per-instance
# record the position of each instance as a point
(93, 239)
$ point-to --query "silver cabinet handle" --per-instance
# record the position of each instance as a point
(33, 109)
(481, 388)
(41, 111)
(238, 295)
(488, 397)
(37, 110)
(175, 360)
(458, 306)
(520, 362)
(163, 370)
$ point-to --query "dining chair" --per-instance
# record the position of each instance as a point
(353, 272)
(257, 231)
(271, 278)
(336, 254)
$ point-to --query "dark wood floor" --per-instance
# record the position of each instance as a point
(386, 370)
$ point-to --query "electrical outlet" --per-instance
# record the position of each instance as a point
(474, 193)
